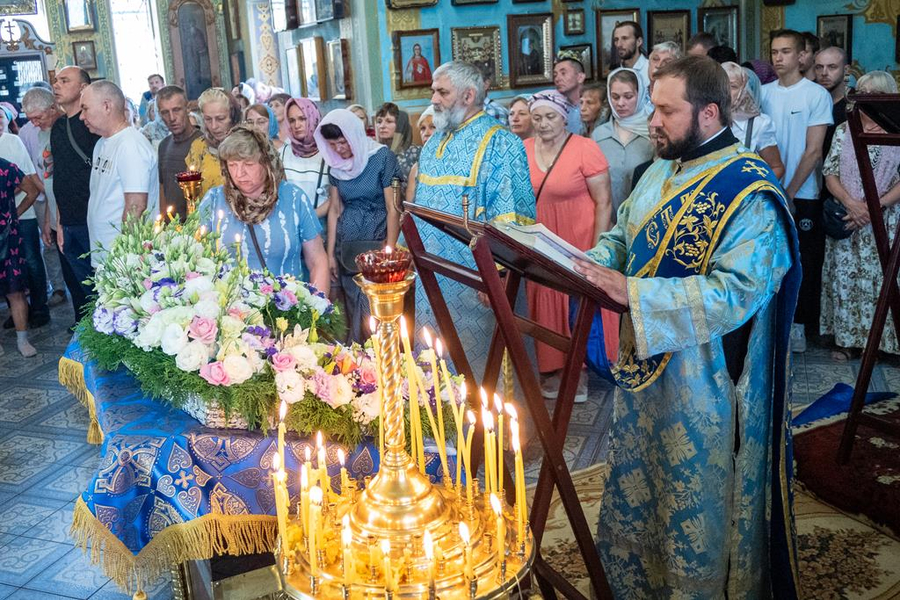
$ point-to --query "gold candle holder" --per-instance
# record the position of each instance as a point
(191, 184)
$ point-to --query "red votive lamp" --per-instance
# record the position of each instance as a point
(384, 266)
(186, 176)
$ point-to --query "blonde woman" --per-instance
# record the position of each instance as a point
(220, 112)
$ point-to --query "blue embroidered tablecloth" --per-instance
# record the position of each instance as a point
(169, 489)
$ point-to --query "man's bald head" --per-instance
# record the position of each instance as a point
(831, 69)
(103, 108)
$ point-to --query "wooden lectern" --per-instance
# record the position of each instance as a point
(490, 247)
(884, 109)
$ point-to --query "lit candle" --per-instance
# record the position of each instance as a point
(201, 233)
(281, 501)
(282, 413)
(377, 352)
(428, 542)
(220, 215)
(349, 566)
(315, 511)
(345, 481)
(487, 421)
(498, 406)
(388, 571)
(170, 212)
(468, 569)
(521, 507)
(470, 480)
(438, 430)
(501, 528)
(485, 440)
(437, 396)
(304, 501)
(237, 245)
(460, 436)
(417, 441)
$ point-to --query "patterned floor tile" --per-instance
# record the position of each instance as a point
(25, 456)
(23, 559)
(72, 575)
(24, 594)
(20, 403)
(67, 416)
(66, 484)
(54, 528)
(6, 591)
(22, 513)
(160, 590)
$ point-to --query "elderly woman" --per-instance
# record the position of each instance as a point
(361, 213)
(625, 138)
(273, 218)
(220, 112)
(304, 165)
(263, 118)
(593, 107)
(851, 273)
(750, 126)
(426, 129)
(571, 181)
(155, 130)
(520, 117)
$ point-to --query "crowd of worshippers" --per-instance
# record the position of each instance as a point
(315, 188)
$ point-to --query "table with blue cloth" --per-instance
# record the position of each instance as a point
(168, 489)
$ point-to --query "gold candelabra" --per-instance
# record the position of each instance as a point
(191, 184)
(403, 535)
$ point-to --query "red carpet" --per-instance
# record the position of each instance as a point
(870, 483)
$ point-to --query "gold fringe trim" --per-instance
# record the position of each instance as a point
(197, 539)
(71, 375)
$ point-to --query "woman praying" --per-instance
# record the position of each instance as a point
(752, 128)
(624, 139)
(220, 112)
(570, 177)
(273, 218)
(361, 212)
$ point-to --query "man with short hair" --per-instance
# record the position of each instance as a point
(124, 179)
(801, 112)
(628, 41)
(591, 107)
(808, 57)
(172, 104)
(156, 83)
(831, 74)
(568, 78)
(695, 505)
(73, 146)
(42, 111)
(471, 154)
(701, 43)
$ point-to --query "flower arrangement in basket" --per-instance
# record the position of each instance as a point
(201, 331)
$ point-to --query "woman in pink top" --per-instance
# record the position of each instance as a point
(571, 184)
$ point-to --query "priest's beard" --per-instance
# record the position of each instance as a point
(448, 119)
(670, 149)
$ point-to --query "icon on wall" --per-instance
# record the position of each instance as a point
(417, 52)
(668, 26)
(530, 49)
(338, 68)
(18, 7)
(836, 30)
(79, 16)
(480, 46)
(722, 22)
(85, 55)
(574, 23)
(312, 66)
(586, 52)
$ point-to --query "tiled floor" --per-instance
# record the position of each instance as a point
(45, 462)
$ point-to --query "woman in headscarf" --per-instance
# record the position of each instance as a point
(750, 126)
(278, 103)
(273, 218)
(263, 118)
(220, 112)
(624, 139)
(155, 130)
(304, 165)
(244, 94)
(570, 177)
(392, 129)
(361, 213)
(851, 273)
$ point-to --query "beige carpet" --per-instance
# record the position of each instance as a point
(840, 557)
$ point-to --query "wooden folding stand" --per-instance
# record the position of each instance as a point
(884, 109)
(490, 247)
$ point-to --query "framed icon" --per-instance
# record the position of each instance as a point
(574, 21)
(530, 49)
(312, 68)
(417, 52)
(79, 15)
(85, 55)
(668, 26)
(337, 57)
(723, 23)
(836, 30)
(480, 46)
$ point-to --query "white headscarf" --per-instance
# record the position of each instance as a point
(637, 122)
(363, 147)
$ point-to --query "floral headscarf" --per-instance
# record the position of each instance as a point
(746, 106)
(363, 147)
(250, 210)
(551, 99)
(305, 147)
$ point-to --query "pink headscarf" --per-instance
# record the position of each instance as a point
(306, 146)
(363, 147)
(551, 99)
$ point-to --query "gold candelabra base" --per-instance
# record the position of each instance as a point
(191, 191)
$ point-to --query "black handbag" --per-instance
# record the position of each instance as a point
(833, 213)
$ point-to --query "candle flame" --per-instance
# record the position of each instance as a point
(170, 209)
(315, 495)
(511, 411)
(203, 230)
(276, 461)
(470, 416)
(439, 348)
(516, 446)
(307, 454)
(386, 546)
(427, 335)
(341, 457)
(428, 542)
(495, 504)
(159, 217)
(346, 534)
(484, 397)
(498, 404)
(404, 332)
(487, 417)
(220, 214)
(319, 439)
(237, 238)
(388, 249)
(373, 325)
(282, 411)
(192, 168)
(464, 533)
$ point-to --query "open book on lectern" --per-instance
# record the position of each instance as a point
(543, 241)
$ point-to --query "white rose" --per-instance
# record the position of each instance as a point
(180, 315)
(237, 368)
(198, 285)
(207, 309)
(206, 266)
(290, 386)
(305, 357)
(319, 304)
(194, 355)
(150, 334)
(343, 393)
(148, 303)
(174, 338)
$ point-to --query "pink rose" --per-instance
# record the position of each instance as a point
(214, 373)
(148, 284)
(237, 314)
(203, 329)
(282, 361)
(266, 288)
(367, 376)
(191, 275)
(291, 296)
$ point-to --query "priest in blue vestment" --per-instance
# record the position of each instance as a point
(469, 154)
(704, 254)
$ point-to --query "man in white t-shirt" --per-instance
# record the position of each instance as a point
(628, 41)
(13, 149)
(124, 178)
(801, 112)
